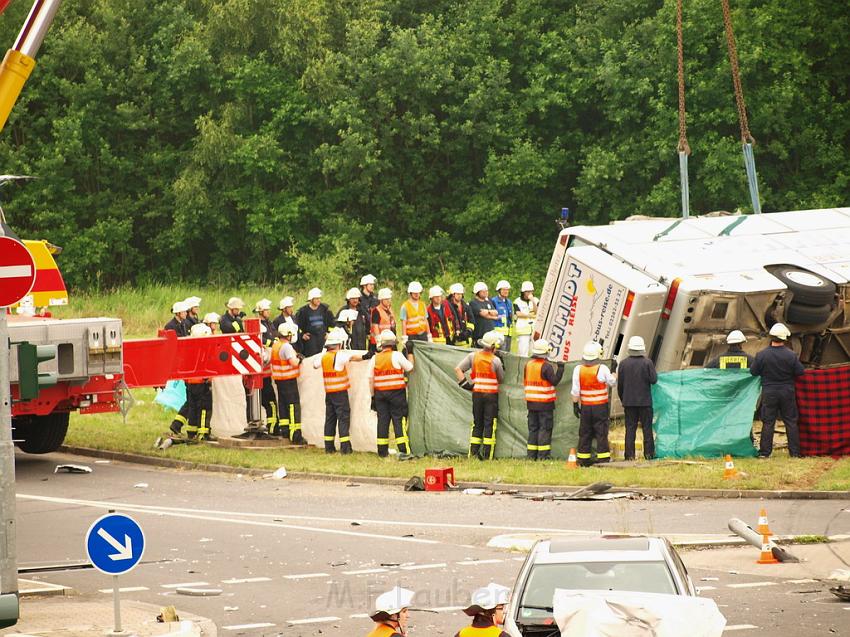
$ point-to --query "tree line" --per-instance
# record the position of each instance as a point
(237, 140)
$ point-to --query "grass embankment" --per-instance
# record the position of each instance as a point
(147, 420)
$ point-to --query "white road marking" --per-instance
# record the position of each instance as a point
(185, 585)
(446, 609)
(194, 515)
(306, 576)
(312, 620)
(751, 584)
(477, 562)
(129, 589)
(801, 581)
(365, 571)
(359, 616)
(421, 567)
(246, 580)
(706, 588)
(740, 627)
(248, 626)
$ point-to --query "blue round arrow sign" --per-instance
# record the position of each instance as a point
(115, 543)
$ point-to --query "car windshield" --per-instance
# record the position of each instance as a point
(642, 577)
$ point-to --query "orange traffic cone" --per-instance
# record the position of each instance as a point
(729, 471)
(766, 556)
(763, 528)
(572, 462)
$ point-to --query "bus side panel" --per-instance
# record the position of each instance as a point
(553, 274)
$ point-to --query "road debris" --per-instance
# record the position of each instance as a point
(595, 491)
(72, 468)
(744, 530)
(199, 592)
(140, 485)
(841, 592)
(167, 614)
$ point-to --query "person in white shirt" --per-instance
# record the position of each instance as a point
(389, 394)
(591, 381)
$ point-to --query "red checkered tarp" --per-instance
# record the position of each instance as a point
(823, 400)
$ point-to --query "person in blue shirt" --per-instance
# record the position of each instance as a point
(505, 308)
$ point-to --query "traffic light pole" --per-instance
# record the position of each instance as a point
(8, 563)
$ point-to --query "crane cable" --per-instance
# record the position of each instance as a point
(747, 140)
(683, 148)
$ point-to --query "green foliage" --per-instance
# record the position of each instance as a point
(247, 140)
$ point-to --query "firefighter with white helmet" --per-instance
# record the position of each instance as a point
(389, 392)
(440, 317)
(199, 397)
(286, 367)
(487, 609)
(211, 320)
(193, 310)
(486, 372)
(591, 381)
(357, 322)
(483, 311)
(540, 379)
(778, 366)
(505, 313)
(334, 365)
(734, 357)
(635, 377)
(313, 320)
(525, 309)
(177, 323)
(382, 318)
(268, 335)
(390, 613)
(368, 301)
(287, 316)
(231, 320)
(464, 322)
(414, 317)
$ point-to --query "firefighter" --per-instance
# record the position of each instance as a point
(504, 324)
(368, 302)
(313, 321)
(382, 318)
(486, 372)
(333, 364)
(591, 381)
(199, 398)
(286, 367)
(193, 312)
(441, 321)
(487, 609)
(635, 378)
(734, 357)
(287, 313)
(386, 372)
(414, 320)
(483, 312)
(212, 320)
(231, 320)
(464, 322)
(178, 321)
(390, 613)
(525, 309)
(268, 335)
(358, 326)
(778, 366)
(540, 379)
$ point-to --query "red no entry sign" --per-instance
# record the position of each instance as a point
(17, 271)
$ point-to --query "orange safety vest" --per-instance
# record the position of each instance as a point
(475, 631)
(416, 321)
(592, 391)
(334, 381)
(484, 378)
(537, 388)
(382, 630)
(386, 322)
(283, 369)
(387, 377)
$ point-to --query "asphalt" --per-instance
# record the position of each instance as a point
(307, 557)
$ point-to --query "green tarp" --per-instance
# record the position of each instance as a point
(441, 412)
(705, 412)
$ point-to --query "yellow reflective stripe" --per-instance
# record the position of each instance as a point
(383, 441)
(330, 438)
(532, 447)
(475, 440)
(181, 418)
(544, 448)
(401, 440)
(345, 439)
(604, 454)
(583, 455)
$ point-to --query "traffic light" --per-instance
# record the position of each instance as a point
(30, 381)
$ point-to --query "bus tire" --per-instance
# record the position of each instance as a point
(807, 287)
(807, 314)
(41, 434)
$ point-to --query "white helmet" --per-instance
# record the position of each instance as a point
(385, 293)
(391, 603)
(193, 301)
(347, 315)
(285, 302)
(415, 287)
(353, 293)
(179, 306)
(540, 347)
(263, 305)
(456, 288)
(737, 336)
(527, 286)
(491, 339)
(592, 351)
(779, 331)
(287, 329)
(435, 291)
(337, 336)
(503, 285)
(368, 279)
(487, 598)
(234, 303)
(386, 337)
(200, 329)
(211, 317)
(479, 287)
(636, 344)
(314, 293)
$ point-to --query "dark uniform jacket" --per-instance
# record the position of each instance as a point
(777, 366)
(359, 329)
(732, 358)
(231, 324)
(635, 377)
(189, 322)
(270, 334)
(482, 324)
(177, 326)
(315, 323)
(462, 315)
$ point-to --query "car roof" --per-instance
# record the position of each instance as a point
(601, 549)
